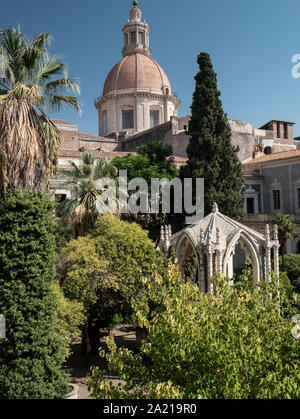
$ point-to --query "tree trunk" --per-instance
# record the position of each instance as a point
(86, 345)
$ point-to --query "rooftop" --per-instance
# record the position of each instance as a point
(275, 157)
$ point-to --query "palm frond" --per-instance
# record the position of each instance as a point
(55, 86)
(54, 66)
(56, 102)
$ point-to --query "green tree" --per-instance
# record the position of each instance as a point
(153, 161)
(105, 269)
(233, 344)
(70, 318)
(286, 229)
(292, 268)
(129, 251)
(83, 208)
(210, 152)
(33, 83)
(32, 355)
(85, 278)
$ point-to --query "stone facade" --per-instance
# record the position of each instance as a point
(276, 181)
(252, 143)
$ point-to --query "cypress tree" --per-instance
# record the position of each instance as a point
(210, 152)
(32, 354)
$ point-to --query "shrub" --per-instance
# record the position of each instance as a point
(104, 270)
(32, 355)
(292, 268)
(69, 318)
(233, 344)
(129, 251)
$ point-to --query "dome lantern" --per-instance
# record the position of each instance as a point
(136, 34)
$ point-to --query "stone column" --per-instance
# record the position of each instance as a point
(276, 251)
(210, 271)
(268, 253)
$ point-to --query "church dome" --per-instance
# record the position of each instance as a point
(137, 71)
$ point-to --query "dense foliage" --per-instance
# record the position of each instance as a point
(210, 152)
(292, 268)
(32, 355)
(286, 229)
(83, 181)
(236, 343)
(70, 318)
(104, 270)
(153, 161)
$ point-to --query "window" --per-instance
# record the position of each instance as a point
(133, 37)
(250, 205)
(104, 123)
(276, 199)
(154, 118)
(141, 37)
(127, 119)
(268, 150)
(278, 129)
(286, 131)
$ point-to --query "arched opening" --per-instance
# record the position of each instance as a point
(240, 252)
(268, 150)
(104, 123)
(239, 259)
(154, 116)
(187, 260)
(127, 114)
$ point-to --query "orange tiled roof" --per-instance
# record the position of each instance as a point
(275, 157)
(61, 121)
(180, 160)
(109, 154)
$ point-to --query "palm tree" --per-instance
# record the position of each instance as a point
(34, 83)
(83, 208)
(286, 229)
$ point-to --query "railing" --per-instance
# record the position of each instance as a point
(97, 99)
(176, 95)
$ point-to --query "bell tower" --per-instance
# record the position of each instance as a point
(136, 34)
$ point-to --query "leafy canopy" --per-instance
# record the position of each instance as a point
(85, 204)
(233, 344)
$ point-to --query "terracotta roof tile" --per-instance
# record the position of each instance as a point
(60, 121)
(275, 157)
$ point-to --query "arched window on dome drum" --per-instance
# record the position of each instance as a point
(127, 119)
(154, 117)
(104, 123)
(133, 37)
(141, 37)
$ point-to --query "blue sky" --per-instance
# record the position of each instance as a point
(251, 43)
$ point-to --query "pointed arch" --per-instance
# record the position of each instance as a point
(182, 244)
(249, 244)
